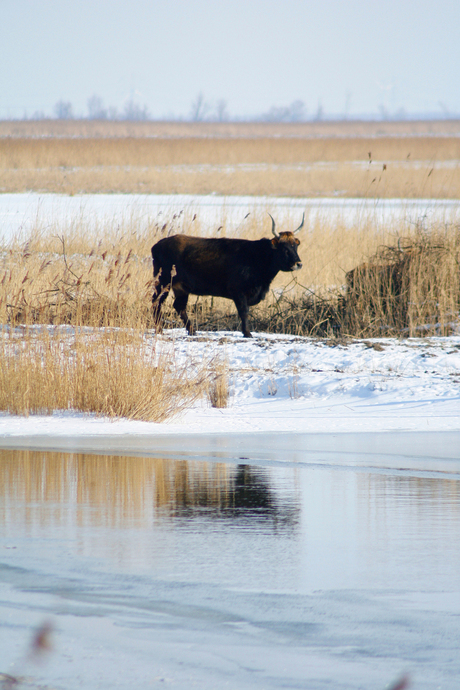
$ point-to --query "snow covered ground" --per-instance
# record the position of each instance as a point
(291, 384)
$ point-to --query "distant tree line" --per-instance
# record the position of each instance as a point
(203, 110)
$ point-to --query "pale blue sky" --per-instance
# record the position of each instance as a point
(345, 54)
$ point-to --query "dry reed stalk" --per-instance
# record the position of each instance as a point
(113, 373)
(218, 390)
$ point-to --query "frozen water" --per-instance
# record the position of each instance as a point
(301, 564)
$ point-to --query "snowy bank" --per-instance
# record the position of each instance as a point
(297, 385)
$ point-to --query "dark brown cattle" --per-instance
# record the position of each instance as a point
(241, 270)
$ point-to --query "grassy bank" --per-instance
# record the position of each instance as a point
(408, 278)
(64, 274)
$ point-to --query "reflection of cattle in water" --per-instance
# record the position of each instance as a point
(240, 270)
(245, 496)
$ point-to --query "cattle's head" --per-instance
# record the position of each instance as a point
(286, 246)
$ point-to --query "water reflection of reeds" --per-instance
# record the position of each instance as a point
(417, 495)
(116, 491)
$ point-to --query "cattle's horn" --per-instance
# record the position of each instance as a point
(301, 224)
(273, 226)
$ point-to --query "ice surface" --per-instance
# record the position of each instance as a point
(208, 574)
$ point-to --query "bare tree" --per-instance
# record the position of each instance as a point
(200, 108)
(445, 110)
(346, 110)
(113, 113)
(384, 115)
(296, 112)
(96, 110)
(221, 111)
(134, 111)
(63, 110)
(319, 112)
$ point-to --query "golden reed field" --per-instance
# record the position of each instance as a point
(347, 159)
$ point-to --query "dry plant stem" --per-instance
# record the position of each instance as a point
(218, 391)
(111, 373)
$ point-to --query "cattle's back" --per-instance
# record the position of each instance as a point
(218, 266)
(202, 251)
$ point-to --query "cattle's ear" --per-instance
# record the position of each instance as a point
(275, 242)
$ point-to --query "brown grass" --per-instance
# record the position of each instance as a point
(407, 283)
(381, 167)
(410, 288)
(28, 153)
(69, 276)
(115, 373)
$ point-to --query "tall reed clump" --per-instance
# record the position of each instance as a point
(114, 373)
(53, 280)
(412, 288)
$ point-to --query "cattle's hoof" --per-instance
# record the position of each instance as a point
(248, 334)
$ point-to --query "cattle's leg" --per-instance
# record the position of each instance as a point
(160, 293)
(180, 305)
(241, 304)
